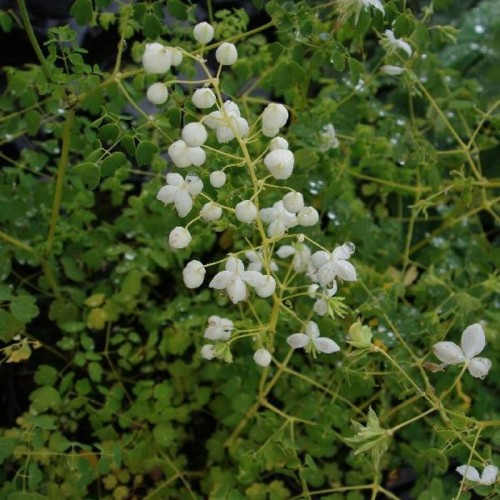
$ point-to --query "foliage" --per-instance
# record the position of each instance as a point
(105, 392)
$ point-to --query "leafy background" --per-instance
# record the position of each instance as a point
(109, 397)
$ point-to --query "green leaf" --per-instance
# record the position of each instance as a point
(151, 27)
(89, 174)
(112, 163)
(82, 11)
(9, 326)
(145, 152)
(44, 398)
(24, 308)
(7, 445)
(177, 9)
(164, 434)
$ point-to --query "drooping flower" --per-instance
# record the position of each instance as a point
(203, 33)
(156, 58)
(301, 256)
(487, 478)
(208, 352)
(308, 216)
(179, 237)
(391, 70)
(262, 357)
(211, 211)
(473, 342)
(293, 201)
(194, 134)
(193, 274)
(203, 98)
(218, 328)
(234, 280)
(311, 341)
(274, 117)
(157, 93)
(320, 307)
(334, 265)
(397, 43)
(179, 192)
(184, 155)
(227, 123)
(279, 163)
(246, 211)
(278, 218)
(226, 54)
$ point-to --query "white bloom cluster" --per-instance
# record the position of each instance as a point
(473, 342)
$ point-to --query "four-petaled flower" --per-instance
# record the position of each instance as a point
(472, 343)
(311, 341)
(396, 43)
(179, 192)
(278, 218)
(334, 265)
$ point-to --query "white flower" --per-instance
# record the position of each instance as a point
(233, 280)
(226, 54)
(246, 211)
(257, 261)
(218, 178)
(301, 256)
(274, 117)
(208, 351)
(194, 134)
(175, 55)
(473, 342)
(328, 138)
(280, 163)
(391, 70)
(396, 43)
(320, 307)
(278, 143)
(487, 478)
(179, 237)
(156, 58)
(203, 98)
(332, 265)
(227, 123)
(308, 216)
(157, 93)
(179, 192)
(211, 211)
(310, 340)
(218, 328)
(293, 201)
(374, 3)
(203, 33)
(278, 218)
(193, 274)
(184, 156)
(267, 288)
(262, 357)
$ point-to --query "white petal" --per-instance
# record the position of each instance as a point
(404, 46)
(320, 258)
(167, 194)
(262, 357)
(197, 156)
(175, 179)
(214, 333)
(268, 288)
(479, 367)
(237, 290)
(194, 184)
(193, 274)
(449, 353)
(320, 307)
(489, 475)
(327, 273)
(312, 330)
(469, 472)
(298, 340)
(473, 340)
(326, 345)
(344, 251)
(207, 352)
(253, 278)
(234, 265)
(221, 280)
(183, 202)
(345, 270)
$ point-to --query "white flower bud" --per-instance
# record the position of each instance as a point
(278, 143)
(218, 178)
(274, 116)
(203, 33)
(156, 58)
(197, 156)
(262, 357)
(391, 70)
(193, 274)
(211, 211)
(294, 202)
(179, 237)
(203, 98)
(194, 134)
(268, 288)
(175, 55)
(279, 163)
(180, 154)
(157, 93)
(208, 351)
(308, 216)
(270, 132)
(226, 54)
(246, 211)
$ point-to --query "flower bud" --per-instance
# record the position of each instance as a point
(179, 237)
(208, 351)
(267, 289)
(211, 211)
(203, 98)
(157, 93)
(203, 33)
(156, 58)
(226, 54)
(262, 357)
(308, 216)
(293, 201)
(391, 70)
(194, 134)
(279, 163)
(180, 154)
(175, 55)
(193, 274)
(270, 132)
(218, 178)
(278, 143)
(246, 211)
(274, 116)
(197, 156)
